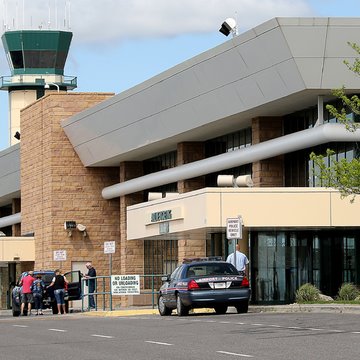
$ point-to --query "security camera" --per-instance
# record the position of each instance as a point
(228, 26)
(82, 228)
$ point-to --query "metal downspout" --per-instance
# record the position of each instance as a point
(10, 220)
(267, 149)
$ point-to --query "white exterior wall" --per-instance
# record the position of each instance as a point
(18, 100)
(260, 208)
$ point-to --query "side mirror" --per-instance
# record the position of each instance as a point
(165, 278)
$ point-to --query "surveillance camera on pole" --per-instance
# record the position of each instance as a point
(229, 26)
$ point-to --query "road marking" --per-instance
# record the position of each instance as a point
(103, 336)
(314, 329)
(356, 332)
(257, 324)
(337, 331)
(158, 343)
(235, 354)
(295, 327)
(21, 326)
(58, 330)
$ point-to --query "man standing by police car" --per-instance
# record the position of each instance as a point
(240, 259)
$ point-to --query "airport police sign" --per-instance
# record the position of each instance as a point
(234, 228)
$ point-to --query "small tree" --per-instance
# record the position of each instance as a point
(342, 175)
(348, 291)
(307, 293)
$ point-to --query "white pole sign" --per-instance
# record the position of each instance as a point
(60, 255)
(125, 284)
(233, 228)
(109, 247)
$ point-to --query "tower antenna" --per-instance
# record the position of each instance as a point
(49, 19)
(69, 15)
(56, 16)
(23, 14)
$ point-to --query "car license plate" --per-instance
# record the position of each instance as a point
(220, 285)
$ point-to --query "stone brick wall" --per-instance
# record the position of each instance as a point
(56, 187)
(188, 152)
(268, 172)
(132, 252)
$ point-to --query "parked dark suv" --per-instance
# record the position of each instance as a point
(204, 283)
(49, 302)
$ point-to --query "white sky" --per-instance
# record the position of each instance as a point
(119, 43)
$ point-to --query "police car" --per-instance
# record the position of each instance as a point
(48, 301)
(204, 283)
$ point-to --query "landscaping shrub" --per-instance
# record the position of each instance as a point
(348, 291)
(307, 293)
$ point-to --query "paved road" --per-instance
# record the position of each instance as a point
(199, 336)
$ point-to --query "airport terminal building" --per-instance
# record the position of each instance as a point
(160, 168)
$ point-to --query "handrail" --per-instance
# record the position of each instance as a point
(36, 80)
(104, 282)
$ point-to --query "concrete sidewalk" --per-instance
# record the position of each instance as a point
(292, 308)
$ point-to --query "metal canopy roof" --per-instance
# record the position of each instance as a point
(273, 69)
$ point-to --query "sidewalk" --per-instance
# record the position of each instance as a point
(292, 308)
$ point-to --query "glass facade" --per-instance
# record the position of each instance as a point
(227, 143)
(298, 166)
(282, 261)
(159, 163)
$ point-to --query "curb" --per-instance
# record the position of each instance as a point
(253, 309)
(292, 308)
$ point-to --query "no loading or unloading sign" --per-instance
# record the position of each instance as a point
(125, 284)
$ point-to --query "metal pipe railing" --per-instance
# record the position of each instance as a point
(104, 283)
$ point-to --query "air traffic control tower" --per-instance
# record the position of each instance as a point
(37, 60)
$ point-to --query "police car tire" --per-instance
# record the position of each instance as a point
(221, 309)
(243, 307)
(181, 309)
(163, 309)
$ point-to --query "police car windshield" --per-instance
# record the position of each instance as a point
(211, 269)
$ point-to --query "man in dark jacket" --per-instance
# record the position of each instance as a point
(91, 282)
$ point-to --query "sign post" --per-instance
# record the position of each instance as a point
(234, 232)
(109, 248)
(59, 255)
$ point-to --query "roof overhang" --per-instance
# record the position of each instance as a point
(276, 68)
(9, 174)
